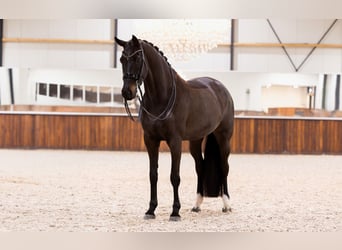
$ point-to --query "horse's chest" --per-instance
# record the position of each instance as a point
(157, 128)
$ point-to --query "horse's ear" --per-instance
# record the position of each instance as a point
(120, 42)
(135, 40)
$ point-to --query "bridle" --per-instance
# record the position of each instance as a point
(132, 76)
(138, 78)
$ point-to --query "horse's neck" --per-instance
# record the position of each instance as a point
(159, 81)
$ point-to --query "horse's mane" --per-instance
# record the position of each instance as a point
(158, 50)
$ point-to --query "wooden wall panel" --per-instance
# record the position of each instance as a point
(251, 135)
(268, 136)
(332, 137)
(127, 134)
(74, 128)
(243, 136)
(304, 136)
(49, 132)
(16, 132)
(97, 133)
(5, 134)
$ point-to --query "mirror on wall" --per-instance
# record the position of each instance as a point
(60, 90)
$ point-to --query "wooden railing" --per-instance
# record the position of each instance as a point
(287, 45)
(55, 40)
(110, 132)
(294, 136)
(111, 42)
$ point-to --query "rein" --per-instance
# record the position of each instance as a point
(166, 113)
(128, 111)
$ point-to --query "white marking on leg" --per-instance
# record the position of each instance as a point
(199, 201)
(226, 207)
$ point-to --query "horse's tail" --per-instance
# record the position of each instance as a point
(212, 172)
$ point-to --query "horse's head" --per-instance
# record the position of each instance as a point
(132, 60)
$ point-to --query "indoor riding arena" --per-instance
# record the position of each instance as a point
(72, 150)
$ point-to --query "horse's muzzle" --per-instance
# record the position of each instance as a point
(129, 91)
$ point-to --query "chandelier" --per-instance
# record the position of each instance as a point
(184, 39)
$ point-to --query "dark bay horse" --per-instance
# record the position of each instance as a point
(172, 109)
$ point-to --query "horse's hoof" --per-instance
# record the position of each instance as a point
(226, 209)
(149, 216)
(175, 218)
(196, 209)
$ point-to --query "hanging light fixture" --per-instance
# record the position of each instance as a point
(184, 39)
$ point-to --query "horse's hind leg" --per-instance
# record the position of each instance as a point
(223, 139)
(196, 152)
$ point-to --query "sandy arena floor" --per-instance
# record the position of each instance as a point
(46, 190)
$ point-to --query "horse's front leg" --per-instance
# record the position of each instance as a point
(153, 152)
(175, 145)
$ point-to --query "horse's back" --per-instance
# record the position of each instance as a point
(210, 84)
(203, 82)
(215, 87)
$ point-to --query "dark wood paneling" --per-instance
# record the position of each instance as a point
(332, 139)
(268, 136)
(243, 137)
(251, 135)
(16, 131)
(304, 136)
(50, 132)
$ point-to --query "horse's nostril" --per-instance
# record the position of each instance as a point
(127, 94)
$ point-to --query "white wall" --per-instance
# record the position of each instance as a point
(4, 86)
(276, 96)
(89, 63)
(289, 31)
(330, 92)
(246, 88)
(267, 59)
(28, 55)
(23, 91)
